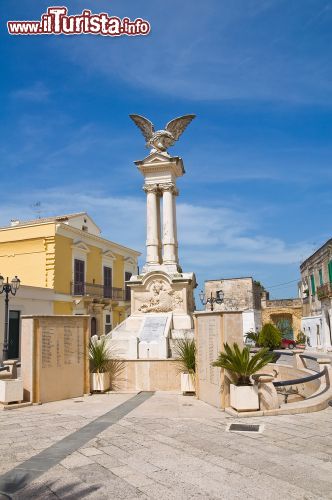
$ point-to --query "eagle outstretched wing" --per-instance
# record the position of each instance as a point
(177, 126)
(144, 124)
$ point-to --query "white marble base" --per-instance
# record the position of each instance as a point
(11, 390)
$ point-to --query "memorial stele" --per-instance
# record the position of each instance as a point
(162, 296)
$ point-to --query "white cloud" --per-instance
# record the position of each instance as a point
(226, 50)
(37, 92)
(210, 239)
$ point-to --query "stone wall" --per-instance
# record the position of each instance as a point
(149, 375)
(212, 330)
(239, 294)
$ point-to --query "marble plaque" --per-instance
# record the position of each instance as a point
(208, 340)
(55, 361)
(153, 328)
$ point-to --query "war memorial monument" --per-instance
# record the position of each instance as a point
(162, 295)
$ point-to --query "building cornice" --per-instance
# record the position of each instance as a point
(64, 230)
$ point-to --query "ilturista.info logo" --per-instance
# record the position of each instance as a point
(56, 21)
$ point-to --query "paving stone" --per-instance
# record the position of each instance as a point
(164, 450)
(76, 460)
(91, 451)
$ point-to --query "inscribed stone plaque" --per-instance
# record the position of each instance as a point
(208, 339)
(55, 357)
(153, 328)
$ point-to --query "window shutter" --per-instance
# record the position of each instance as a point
(320, 272)
(330, 271)
(313, 287)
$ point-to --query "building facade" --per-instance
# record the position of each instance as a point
(66, 254)
(315, 290)
(239, 294)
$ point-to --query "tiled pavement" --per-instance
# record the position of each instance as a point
(169, 447)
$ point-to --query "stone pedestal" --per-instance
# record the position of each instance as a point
(11, 391)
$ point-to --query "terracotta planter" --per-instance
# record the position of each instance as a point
(187, 382)
(244, 397)
(99, 382)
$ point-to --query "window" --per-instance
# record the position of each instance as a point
(107, 282)
(313, 286)
(79, 272)
(320, 274)
(128, 275)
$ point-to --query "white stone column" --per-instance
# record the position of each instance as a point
(160, 258)
(169, 222)
(175, 194)
(152, 236)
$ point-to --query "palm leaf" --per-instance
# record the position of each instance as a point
(185, 351)
(240, 363)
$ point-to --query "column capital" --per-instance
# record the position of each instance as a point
(169, 186)
(151, 188)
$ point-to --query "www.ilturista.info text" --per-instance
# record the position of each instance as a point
(56, 21)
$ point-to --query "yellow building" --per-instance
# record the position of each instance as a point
(68, 255)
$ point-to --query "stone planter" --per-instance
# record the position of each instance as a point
(11, 391)
(187, 382)
(100, 382)
(244, 397)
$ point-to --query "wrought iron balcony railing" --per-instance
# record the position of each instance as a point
(324, 291)
(83, 289)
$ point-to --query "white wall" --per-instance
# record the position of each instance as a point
(251, 321)
(29, 300)
(312, 327)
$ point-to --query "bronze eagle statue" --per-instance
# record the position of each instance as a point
(161, 140)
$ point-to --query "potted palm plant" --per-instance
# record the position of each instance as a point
(100, 364)
(185, 350)
(241, 366)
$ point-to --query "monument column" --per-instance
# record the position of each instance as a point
(169, 230)
(152, 224)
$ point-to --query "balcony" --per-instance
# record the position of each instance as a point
(83, 289)
(324, 291)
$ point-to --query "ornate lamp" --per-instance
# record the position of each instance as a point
(8, 288)
(218, 299)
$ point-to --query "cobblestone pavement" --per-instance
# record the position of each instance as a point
(170, 447)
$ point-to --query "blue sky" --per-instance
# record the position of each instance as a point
(256, 197)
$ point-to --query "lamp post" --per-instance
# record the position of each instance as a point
(7, 288)
(218, 299)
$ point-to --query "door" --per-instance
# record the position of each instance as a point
(284, 324)
(93, 326)
(14, 335)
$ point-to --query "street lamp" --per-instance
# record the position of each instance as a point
(7, 288)
(218, 299)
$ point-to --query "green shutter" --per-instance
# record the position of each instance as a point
(313, 287)
(320, 272)
(330, 271)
